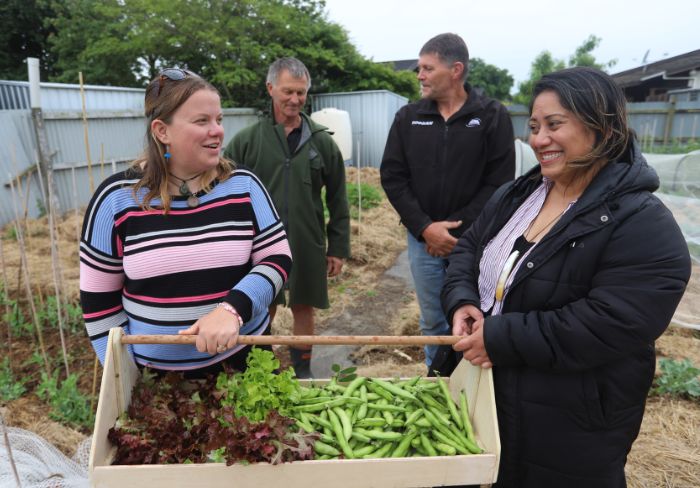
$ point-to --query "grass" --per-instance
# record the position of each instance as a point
(675, 147)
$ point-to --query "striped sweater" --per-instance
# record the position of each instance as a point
(151, 273)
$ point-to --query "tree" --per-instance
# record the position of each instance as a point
(22, 35)
(545, 63)
(495, 82)
(229, 42)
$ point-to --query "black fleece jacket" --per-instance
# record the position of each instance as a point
(435, 170)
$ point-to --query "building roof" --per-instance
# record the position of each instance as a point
(671, 66)
(404, 64)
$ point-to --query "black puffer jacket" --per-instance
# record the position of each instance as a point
(573, 351)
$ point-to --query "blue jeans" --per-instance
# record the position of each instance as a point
(428, 276)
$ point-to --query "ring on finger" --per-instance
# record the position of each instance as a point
(220, 348)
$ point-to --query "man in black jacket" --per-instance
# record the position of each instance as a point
(444, 157)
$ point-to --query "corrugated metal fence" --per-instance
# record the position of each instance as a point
(115, 139)
(654, 122)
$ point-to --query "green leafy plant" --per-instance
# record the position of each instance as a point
(11, 233)
(343, 375)
(259, 390)
(67, 403)
(370, 196)
(10, 389)
(678, 378)
(676, 147)
(72, 315)
(14, 317)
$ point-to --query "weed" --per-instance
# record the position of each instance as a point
(11, 233)
(9, 388)
(678, 378)
(370, 195)
(344, 375)
(676, 147)
(68, 405)
(41, 207)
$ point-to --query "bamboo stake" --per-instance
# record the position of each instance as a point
(85, 132)
(6, 297)
(359, 195)
(102, 161)
(27, 283)
(55, 267)
(266, 340)
(75, 205)
(9, 450)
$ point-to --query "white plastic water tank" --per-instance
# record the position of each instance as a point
(338, 121)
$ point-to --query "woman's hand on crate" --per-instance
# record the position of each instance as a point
(468, 321)
(216, 332)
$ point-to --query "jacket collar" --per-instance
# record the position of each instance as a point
(474, 103)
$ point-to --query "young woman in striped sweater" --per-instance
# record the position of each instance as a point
(182, 242)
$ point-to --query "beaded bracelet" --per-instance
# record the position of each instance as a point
(229, 308)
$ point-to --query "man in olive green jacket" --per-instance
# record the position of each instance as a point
(295, 157)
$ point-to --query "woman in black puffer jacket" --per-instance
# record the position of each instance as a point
(563, 284)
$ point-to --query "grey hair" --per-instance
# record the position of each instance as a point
(449, 48)
(295, 68)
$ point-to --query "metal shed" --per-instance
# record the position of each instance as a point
(371, 115)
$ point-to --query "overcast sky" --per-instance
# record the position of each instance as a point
(510, 34)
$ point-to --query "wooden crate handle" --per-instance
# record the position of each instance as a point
(267, 340)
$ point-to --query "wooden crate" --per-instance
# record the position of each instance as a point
(120, 375)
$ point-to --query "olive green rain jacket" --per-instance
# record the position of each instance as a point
(294, 182)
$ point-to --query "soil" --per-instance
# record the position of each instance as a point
(367, 300)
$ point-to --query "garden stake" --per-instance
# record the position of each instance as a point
(27, 283)
(5, 299)
(9, 449)
(55, 267)
(85, 131)
(75, 204)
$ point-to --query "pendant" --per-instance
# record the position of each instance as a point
(192, 201)
(184, 189)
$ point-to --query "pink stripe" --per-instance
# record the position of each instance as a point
(207, 255)
(196, 298)
(141, 213)
(101, 313)
(120, 247)
(96, 281)
(276, 266)
(166, 240)
(280, 248)
(272, 237)
(97, 264)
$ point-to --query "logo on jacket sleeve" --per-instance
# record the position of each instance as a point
(421, 122)
(474, 122)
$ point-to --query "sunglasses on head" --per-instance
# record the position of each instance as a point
(172, 74)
